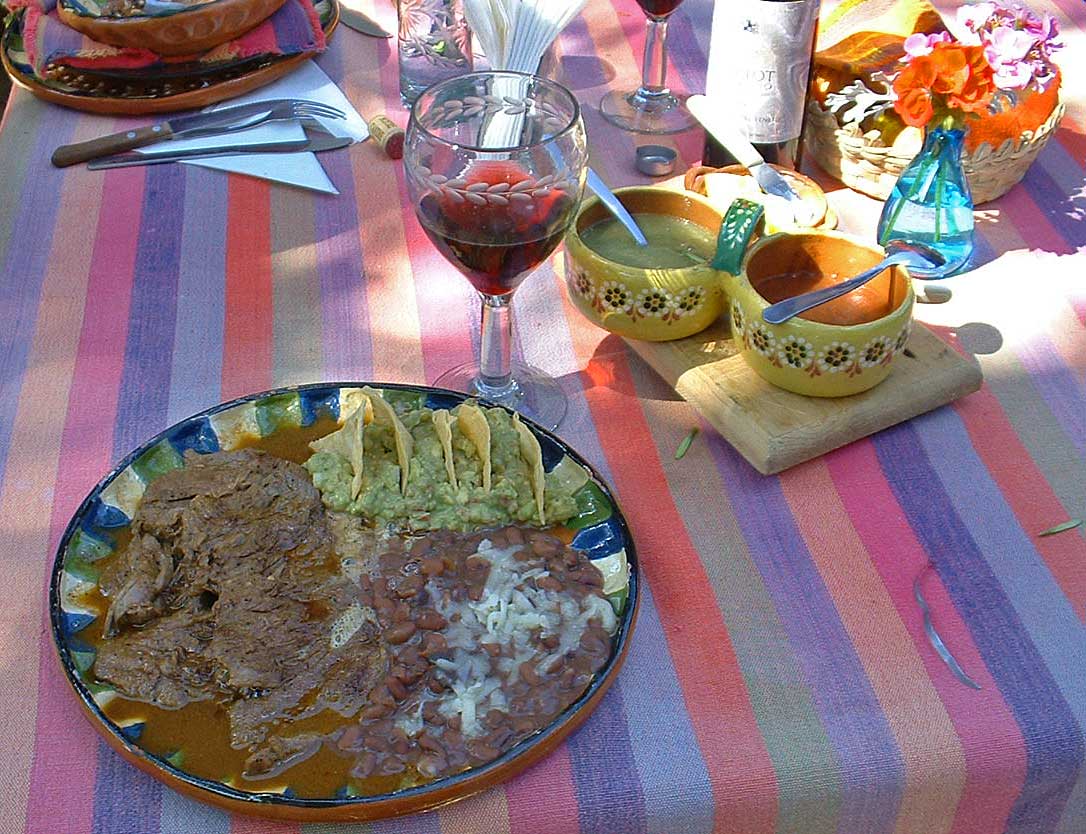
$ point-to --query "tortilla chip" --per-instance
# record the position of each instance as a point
(384, 413)
(442, 421)
(475, 428)
(532, 453)
(347, 442)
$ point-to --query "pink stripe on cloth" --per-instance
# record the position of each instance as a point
(63, 773)
(982, 720)
(293, 29)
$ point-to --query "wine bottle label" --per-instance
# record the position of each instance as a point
(759, 60)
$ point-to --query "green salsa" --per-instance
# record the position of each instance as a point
(674, 242)
(430, 501)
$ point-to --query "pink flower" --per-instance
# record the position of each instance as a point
(972, 18)
(921, 44)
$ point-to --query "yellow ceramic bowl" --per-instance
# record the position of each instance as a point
(826, 358)
(651, 304)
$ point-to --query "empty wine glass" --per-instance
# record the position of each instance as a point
(652, 107)
(495, 166)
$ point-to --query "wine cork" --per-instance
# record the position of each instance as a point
(388, 135)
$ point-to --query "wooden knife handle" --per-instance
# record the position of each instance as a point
(67, 155)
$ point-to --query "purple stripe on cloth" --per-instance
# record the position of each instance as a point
(1053, 738)
(196, 372)
(179, 813)
(1058, 385)
(126, 800)
(1056, 201)
(872, 772)
(23, 271)
(668, 759)
(608, 797)
(145, 382)
(345, 325)
(1047, 616)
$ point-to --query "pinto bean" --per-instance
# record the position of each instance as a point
(364, 765)
(400, 633)
(500, 737)
(350, 737)
(374, 710)
(432, 566)
(550, 642)
(434, 644)
(548, 583)
(492, 649)
(427, 741)
(515, 535)
(529, 674)
(391, 765)
(409, 586)
(432, 765)
(430, 620)
(396, 687)
(544, 545)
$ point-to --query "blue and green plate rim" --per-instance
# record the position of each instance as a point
(67, 647)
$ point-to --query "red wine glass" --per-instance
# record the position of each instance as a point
(652, 107)
(495, 166)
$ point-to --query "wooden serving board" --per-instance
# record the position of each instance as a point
(775, 429)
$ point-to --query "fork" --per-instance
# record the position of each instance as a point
(286, 110)
(224, 120)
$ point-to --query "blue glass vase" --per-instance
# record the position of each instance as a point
(931, 203)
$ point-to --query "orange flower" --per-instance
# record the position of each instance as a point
(951, 77)
(913, 89)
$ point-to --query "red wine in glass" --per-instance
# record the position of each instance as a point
(496, 244)
(659, 8)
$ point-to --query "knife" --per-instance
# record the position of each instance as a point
(354, 19)
(746, 155)
(314, 144)
(175, 128)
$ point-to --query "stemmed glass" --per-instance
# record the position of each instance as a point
(651, 108)
(495, 166)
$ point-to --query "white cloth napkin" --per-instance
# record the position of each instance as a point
(301, 169)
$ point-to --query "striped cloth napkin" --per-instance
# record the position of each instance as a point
(51, 45)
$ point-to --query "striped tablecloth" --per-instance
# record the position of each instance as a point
(779, 679)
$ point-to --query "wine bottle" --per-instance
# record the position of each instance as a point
(760, 56)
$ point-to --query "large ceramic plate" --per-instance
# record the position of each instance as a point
(600, 531)
(134, 93)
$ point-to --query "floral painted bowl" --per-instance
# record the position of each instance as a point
(852, 347)
(651, 304)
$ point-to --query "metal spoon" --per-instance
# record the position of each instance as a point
(598, 187)
(907, 252)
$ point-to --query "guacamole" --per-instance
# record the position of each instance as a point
(430, 501)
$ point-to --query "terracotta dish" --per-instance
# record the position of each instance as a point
(808, 189)
(131, 94)
(298, 658)
(166, 28)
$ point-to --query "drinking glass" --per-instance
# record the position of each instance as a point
(495, 165)
(434, 43)
(651, 108)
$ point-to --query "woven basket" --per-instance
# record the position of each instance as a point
(845, 153)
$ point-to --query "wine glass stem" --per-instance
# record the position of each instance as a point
(654, 68)
(496, 347)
